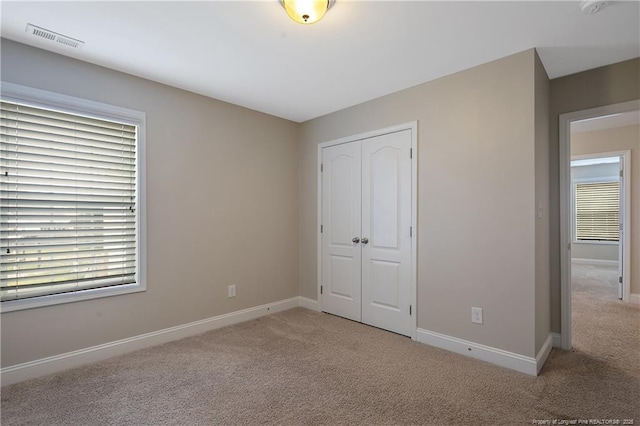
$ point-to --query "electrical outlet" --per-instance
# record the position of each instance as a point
(232, 291)
(476, 315)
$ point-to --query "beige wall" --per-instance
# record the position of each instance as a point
(590, 89)
(542, 290)
(476, 197)
(619, 139)
(214, 181)
(580, 250)
(222, 206)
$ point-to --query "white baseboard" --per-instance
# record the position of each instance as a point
(513, 361)
(41, 367)
(556, 340)
(595, 262)
(309, 304)
(53, 364)
(634, 298)
(544, 352)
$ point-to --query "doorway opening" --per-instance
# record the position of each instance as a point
(595, 209)
(597, 217)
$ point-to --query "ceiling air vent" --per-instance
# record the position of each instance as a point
(52, 36)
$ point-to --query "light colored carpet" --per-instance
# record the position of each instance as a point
(604, 327)
(303, 367)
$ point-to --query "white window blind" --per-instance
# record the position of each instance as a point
(597, 211)
(68, 202)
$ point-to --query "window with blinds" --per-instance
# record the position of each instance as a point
(68, 207)
(597, 211)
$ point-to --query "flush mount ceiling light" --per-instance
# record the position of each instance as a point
(306, 11)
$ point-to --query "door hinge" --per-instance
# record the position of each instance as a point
(321, 229)
(410, 310)
(620, 279)
(621, 173)
(320, 289)
(568, 246)
(411, 231)
(321, 167)
(410, 152)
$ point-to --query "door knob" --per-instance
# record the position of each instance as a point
(356, 240)
(365, 240)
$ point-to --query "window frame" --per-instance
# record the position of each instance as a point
(45, 99)
(574, 224)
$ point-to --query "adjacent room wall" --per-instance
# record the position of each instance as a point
(618, 139)
(607, 251)
(607, 85)
(222, 208)
(476, 198)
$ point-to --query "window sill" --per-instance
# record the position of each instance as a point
(57, 299)
(604, 243)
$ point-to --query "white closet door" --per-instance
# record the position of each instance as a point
(386, 222)
(341, 211)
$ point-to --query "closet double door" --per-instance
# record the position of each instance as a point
(366, 231)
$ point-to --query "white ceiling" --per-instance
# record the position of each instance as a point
(250, 53)
(622, 119)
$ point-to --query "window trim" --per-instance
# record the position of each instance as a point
(574, 232)
(45, 99)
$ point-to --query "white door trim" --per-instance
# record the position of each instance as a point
(413, 126)
(565, 209)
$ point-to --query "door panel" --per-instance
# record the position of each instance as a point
(341, 277)
(341, 212)
(386, 222)
(385, 284)
(384, 196)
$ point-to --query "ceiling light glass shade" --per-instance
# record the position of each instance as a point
(306, 11)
